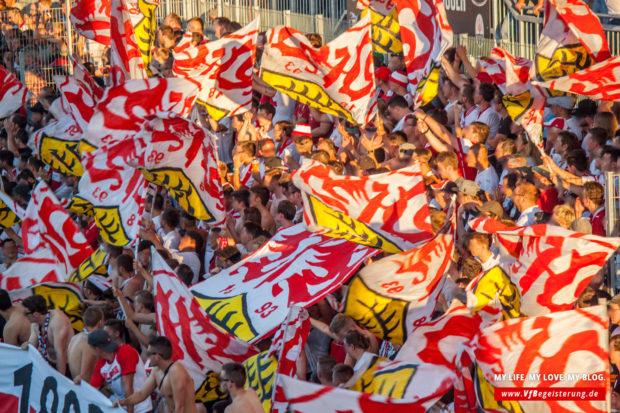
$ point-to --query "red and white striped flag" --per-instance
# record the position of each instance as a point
(91, 19)
(36, 268)
(12, 93)
(550, 265)
(199, 345)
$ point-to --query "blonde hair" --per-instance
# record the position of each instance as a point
(564, 214)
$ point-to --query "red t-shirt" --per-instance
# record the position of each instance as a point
(597, 220)
(547, 200)
(125, 362)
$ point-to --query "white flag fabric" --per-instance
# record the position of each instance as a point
(28, 383)
(47, 225)
(39, 267)
(337, 79)
(201, 347)
(567, 349)
(181, 157)
(251, 298)
(303, 396)
(122, 109)
(12, 93)
(393, 296)
(226, 65)
(550, 265)
(387, 211)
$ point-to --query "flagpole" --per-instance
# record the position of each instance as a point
(280, 354)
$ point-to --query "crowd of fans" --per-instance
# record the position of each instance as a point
(464, 142)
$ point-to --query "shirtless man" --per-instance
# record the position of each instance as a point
(82, 357)
(17, 328)
(170, 377)
(232, 380)
(50, 331)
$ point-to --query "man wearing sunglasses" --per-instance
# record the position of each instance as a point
(170, 377)
(232, 381)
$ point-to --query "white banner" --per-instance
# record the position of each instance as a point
(29, 384)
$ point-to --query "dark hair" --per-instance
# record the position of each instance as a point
(569, 139)
(92, 316)
(242, 196)
(163, 346)
(144, 245)
(5, 300)
(287, 209)
(487, 91)
(171, 216)
(262, 193)
(116, 325)
(7, 156)
(397, 101)
(35, 304)
(125, 262)
(146, 298)
(614, 153)
(578, 159)
(252, 214)
(468, 92)
(8, 240)
(599, 135)
(185, 273)
(253, 229)
(267, 107)
(235, 373)
(20, 120)
(356, 339)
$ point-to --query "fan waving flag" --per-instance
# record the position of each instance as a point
(121, 111)
(385, 28)
(568, 350)
(251, 298)
(337, 79)
(387, 211)
(600, 81)
(551, 266)
(393, 296)
(115, 189)
(426, 35)
(180, 156)
(47, 225)
(572, 39)
(524, 102)
(494, 296)
(201, 347)
(12, 93)
(281, 357)
(226, 67)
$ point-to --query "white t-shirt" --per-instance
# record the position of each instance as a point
(528, 217)
(487, 180)
(285, 108)
(490, 118)
(469, 116)
(191, 259)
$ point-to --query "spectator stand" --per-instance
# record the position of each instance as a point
(612, 214)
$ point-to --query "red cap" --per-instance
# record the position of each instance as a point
(383, 73)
